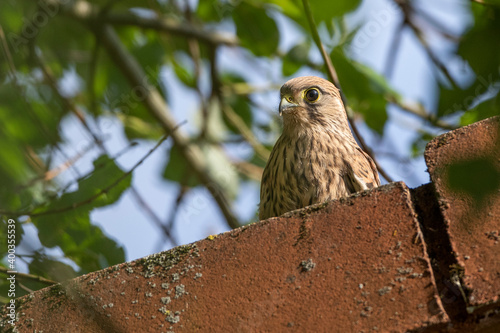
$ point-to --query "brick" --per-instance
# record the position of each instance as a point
(439, 250)
(473, 227)
(355, 264)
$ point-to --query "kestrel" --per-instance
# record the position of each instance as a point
(316, 158)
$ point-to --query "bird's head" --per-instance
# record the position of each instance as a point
(311, 101)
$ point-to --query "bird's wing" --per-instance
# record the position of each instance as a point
(361, 173)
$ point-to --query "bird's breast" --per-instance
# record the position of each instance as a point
(310, 170)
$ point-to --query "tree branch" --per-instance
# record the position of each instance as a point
(86, 12)
(155, 103)
(167, 230)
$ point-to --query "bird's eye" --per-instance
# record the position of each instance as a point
(312, 94)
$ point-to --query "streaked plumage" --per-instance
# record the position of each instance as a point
(316, 158)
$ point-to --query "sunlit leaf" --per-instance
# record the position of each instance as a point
(137, 128)
(486, 109)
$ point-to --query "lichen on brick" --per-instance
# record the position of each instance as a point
(160, 263)
(307, 265)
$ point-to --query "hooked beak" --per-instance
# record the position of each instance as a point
(286, 103)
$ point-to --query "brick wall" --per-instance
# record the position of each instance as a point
(390, 259)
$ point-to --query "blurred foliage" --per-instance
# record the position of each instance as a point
(480, 47)
(55, 68)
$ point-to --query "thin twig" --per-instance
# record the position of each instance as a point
(407, 10)
(245, 132)
(98, 166)
(180, 196)
(437, 26)
(167, 231)
(67, 103)
(173, 215)
(330, 70)
(109, 187)
(332, 74)
(80, 116)
(232, 116)
(43, 129)
(54, 172)
(394, 48)
(420, 112)
(25, 276)
(98, 194)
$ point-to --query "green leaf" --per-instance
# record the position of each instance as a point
(292, 9)
(239, 103)
(92, 249)
(213, 10)
(455, 100)
(325, 10)
(53, 228)
(297, 57)
(137, 128)
(480, 46)
(29, 124)
(51, 269)
(419, 144)
(486, 109)
(149, 52)
(57, 39)
(365, 89)
(186, 76)
(256, 30)
(178, 170)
